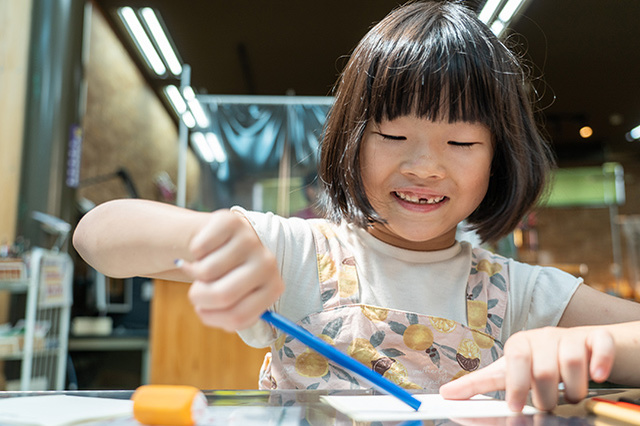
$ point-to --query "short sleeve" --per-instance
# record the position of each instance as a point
(291, 241)
(538, 297)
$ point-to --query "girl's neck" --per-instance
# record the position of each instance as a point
(442, 242)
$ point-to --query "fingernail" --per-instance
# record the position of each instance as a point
(515, 406)
(178, 262)
(599, 375)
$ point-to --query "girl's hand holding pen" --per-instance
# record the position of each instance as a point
(538, 360)
(235, 278)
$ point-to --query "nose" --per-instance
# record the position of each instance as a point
(424, 164)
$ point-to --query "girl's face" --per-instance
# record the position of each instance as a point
(424, 177)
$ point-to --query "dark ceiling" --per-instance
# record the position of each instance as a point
(586, 52)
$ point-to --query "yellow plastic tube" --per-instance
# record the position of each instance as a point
(170, 405)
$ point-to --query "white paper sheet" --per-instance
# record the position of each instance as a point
(386, 407)
(240, 415)
(58, 410)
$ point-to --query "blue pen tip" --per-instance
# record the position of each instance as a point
(415, 404)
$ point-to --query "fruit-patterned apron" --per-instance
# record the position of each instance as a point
(412, 350)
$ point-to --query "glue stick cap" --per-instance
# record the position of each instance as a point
(170, 405)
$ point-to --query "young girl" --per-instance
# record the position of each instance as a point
(432, 125)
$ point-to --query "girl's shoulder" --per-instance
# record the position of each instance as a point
(275, 230)
(520, 270)
(483, 253)
(273, 219)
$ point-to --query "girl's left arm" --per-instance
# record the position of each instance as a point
(597, 338)
(618, 317)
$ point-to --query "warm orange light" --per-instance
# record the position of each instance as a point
(518, 238)
(586, 132)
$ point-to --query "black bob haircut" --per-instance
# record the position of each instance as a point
(436, 60)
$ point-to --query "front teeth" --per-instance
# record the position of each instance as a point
(418, 200)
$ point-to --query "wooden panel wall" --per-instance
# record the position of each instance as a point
(184, 351)
(15, 24)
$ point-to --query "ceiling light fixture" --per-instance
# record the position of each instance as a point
(175, 99)
(187, 106)
(194, 105)
(214, 143)
(498, 14)
(208, 147)
(158, 33)
(188, 119)
(151, 39)
(142, 40)
(202, 148)
(633, 134)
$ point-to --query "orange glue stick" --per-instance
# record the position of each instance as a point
(171, 405)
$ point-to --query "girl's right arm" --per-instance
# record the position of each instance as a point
(235, 278)
(132, 237)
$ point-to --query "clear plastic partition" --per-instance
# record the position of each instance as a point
(630, 225)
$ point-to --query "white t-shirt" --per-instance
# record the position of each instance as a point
(430, 283)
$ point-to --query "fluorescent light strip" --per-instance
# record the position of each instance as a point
(166, 50)
(194, 105)
(509, 10)
(202, 147)
(188, 119)
(488, 10)
(498, 27)
(175, 99)
(188, 93)
(214, 144)
(635, 133)
(198, 113)
(136, 31)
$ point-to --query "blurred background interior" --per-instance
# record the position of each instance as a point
(235, 117)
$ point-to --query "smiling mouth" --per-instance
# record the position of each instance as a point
(419, 200)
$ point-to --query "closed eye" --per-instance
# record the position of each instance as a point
(392, 137)
(462, 144)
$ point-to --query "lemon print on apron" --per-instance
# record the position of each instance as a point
(490, 268)
(326, 267)
(279, 343)
(374, 313)
(482, 340)
(468, 355)
(364, 351)
(443, 325)
(477, 314)
(347, 278)
(394, 371)
(418, 337)
(311, 364)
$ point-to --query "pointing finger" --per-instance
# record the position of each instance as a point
(488, 379)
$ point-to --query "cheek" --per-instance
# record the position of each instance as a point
(480, 184)
(481, 191)
(368, 171)
(369, 184)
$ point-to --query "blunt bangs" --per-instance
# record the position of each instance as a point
(439, 68)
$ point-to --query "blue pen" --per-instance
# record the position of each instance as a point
(340, 358)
